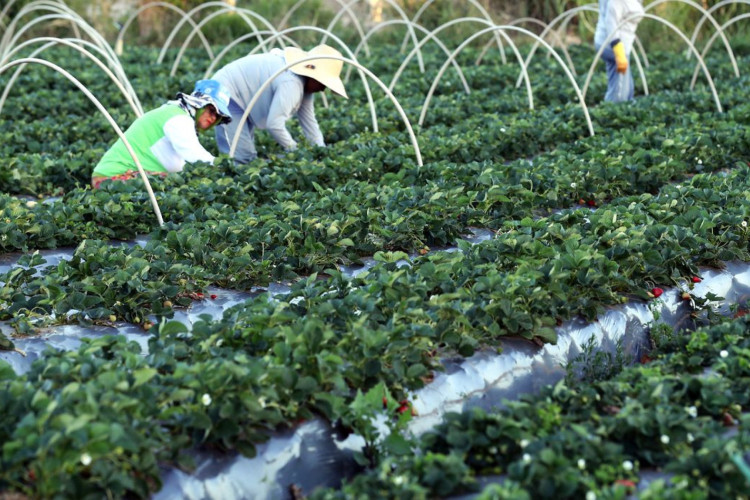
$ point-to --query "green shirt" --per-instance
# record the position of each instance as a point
(147, 138)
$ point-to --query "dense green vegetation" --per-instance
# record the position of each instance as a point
(667, 176)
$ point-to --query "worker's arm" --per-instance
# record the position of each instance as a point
(180, 131)
(286, 98)
(308, 122)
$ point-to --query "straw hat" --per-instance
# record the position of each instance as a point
(325, 71)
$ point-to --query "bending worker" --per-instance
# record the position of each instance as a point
(165, 138)
(291, 93)
(619, 18)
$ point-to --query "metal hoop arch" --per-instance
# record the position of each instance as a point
(673, 28)
(51, 41)
(221, 5)
(481, 10)
(103, 110)
(710, 42)
(532, 20)
(711, 19)
(205, 20)
(10, 38)
(392, 22)
(121, 34)
(398, 9)
(345, 6)
(711, 10)
(369, 73)
(565, 18)
(427, 38)
(501, 29)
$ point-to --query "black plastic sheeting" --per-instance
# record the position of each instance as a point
(312, 455)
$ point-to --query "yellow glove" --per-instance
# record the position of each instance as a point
(620, 58)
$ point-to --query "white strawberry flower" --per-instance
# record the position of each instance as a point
(724, 353)
(692, 411)
(664, 439)
(581, 463)
(86, 459)
(590, 495)
(743, 223)
(526, 458)
(206, 399)
(524, 443)
(627, 465)
(690, 437)
(573, 185)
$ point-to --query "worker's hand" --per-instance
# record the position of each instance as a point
(620, 58)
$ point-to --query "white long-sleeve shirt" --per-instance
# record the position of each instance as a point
(180, 144)
(611, 14)
(284, 98)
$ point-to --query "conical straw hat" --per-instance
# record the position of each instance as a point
(325, 71)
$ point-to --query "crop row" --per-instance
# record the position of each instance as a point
(680, 413)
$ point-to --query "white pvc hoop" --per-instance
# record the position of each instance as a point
(501, 29)
(440, 44)
(492, 29)
(427, 38)
(565, 17)
(673, 28)
(4, 12)
(398, 9)
(51, 41)
(238, 41)
(50, 5)
(242, 12)
(703, 18)
(75, 19)
(202, 23)
(474, 3)
(532, 20)
(369, 73)
(710, 42)
(121, 34)
(344, 6)
(344, 47)
(711, 19)
(106, 114)
(114, 63)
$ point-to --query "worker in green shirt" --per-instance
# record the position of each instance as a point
(165, 138)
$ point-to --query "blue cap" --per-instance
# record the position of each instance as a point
(217, 94)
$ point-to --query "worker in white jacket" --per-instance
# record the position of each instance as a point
(618, 18)
(291, 93)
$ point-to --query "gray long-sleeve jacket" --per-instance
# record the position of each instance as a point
(279, 102)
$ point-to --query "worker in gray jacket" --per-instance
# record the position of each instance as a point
(291, 93)
(619, 18)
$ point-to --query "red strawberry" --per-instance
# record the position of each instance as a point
(657, 291)
(625, 482)
(213, 296)
(592, 203)
(727, 419)
(582, 201)
(696, 279)
(385, 402)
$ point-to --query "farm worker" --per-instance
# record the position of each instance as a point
(291, 93)
(165, 138)
(618, 18)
